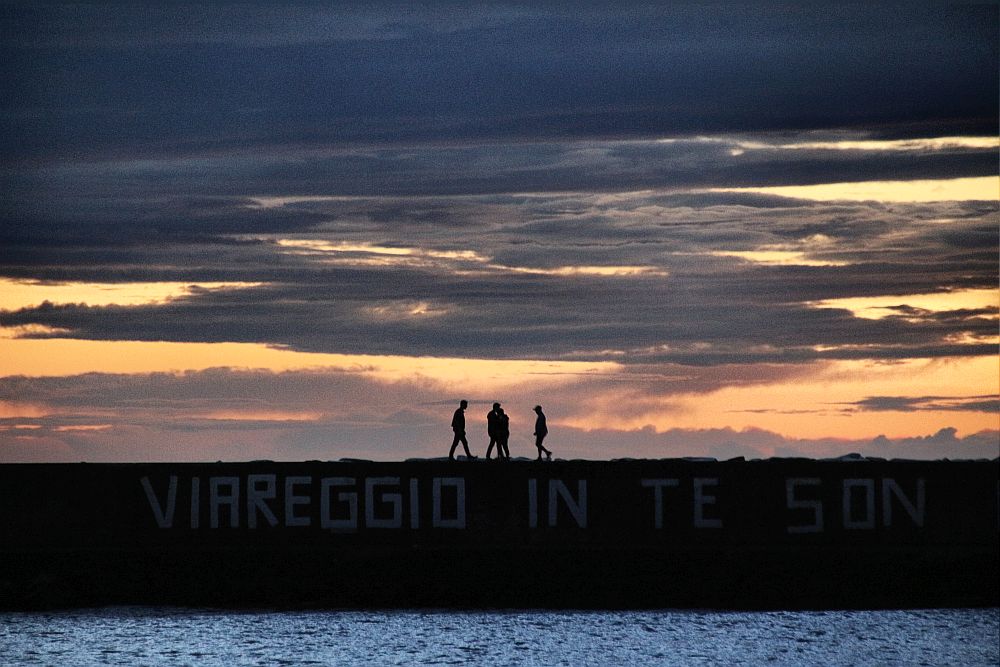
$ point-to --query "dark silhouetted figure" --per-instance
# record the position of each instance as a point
(541, 430)
(503, 434)
(458, 426)
(492, 419)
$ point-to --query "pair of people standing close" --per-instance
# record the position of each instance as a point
(498, 428)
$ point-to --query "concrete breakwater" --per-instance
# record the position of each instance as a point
(780, 533)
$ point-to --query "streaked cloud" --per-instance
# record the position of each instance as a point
(16, 294)
(63, 357)
(317, 246)
(631, 277)
(985, 188)
(32, 331)
(738, 146)
(460, 260)
(777, 257)
(258, 416)
(606, 271)
(987, 403)
(973, 302)
(406, 309)
(922, 144)
(80, 427)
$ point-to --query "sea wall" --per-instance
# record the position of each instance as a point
(782, 533)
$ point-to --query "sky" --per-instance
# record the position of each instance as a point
(244, 232)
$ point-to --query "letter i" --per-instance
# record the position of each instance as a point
(195, 502)
(532, 503)
(414, 505)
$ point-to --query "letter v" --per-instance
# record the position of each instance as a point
(164, 519)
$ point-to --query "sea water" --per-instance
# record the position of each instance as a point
(156, 636)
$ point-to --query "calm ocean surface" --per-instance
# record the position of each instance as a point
(144, 636)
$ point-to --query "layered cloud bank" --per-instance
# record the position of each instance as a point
(685, 231)
(651, 276)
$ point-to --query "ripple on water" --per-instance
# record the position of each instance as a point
(126, 636)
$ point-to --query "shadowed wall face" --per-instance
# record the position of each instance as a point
(638, 533)
(670, 504)
(307, 233)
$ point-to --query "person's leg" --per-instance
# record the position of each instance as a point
(489, 450)
(454, 444)
(465, 443)
(506, 451)
(541, 448)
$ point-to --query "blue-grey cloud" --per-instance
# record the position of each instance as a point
(496, 268)
(112, 80)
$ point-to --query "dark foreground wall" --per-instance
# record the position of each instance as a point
(672, 533)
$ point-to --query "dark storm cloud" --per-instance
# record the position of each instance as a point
(114, 80)
(518, 316)
(101, 211)
(87, 188)
(482, 277)
(506, 298)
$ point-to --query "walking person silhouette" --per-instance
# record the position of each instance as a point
(492, 422)
(458, 426)
(541, 430)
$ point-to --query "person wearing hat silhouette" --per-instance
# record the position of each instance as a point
(458, 426)
(492, 426)
(541, 430)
